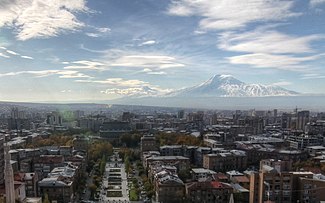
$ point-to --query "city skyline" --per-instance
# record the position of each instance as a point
(101, 50)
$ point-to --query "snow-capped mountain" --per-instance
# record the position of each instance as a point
(228, 86)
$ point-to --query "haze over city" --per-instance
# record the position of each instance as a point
(101, 50)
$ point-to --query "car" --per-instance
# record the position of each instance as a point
(146, 200)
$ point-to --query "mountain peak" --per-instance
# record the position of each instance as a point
(220, 76)
(218, 80)
(229, 86)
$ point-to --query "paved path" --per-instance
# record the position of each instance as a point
(124, 184)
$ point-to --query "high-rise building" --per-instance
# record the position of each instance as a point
(180, 114)
(54, 118)
(2, 161)
(9, 177)
(302, 119)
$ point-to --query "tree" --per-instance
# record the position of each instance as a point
(178, 139)
(92, 189)
(127, 164)
(102, 164)
(46, 198)
(184, 174)
(98, 149)
(131, 140)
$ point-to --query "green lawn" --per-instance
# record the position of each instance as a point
(133, 194)
(114, 194)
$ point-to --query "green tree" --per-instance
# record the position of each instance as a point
(184, 174)
(46, 198)
(131, 140)
(127, 164)
(92, 189)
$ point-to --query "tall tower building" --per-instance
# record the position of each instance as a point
(2, 161)
(9, 177)
(303, 119)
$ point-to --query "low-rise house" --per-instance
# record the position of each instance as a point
(180, 162)
(201, 173)
(46, 163)
(208, 191)
(169, 187)
(234, 159)
(58, 189)
(30, 180)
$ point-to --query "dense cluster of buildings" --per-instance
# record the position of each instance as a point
(245, 156)
(28, 174)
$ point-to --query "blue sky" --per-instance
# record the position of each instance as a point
(76, 50)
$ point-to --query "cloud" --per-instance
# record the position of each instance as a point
(99, 32)
(266, 41)
(232, 14)
(282, 83)
(12, 52)
(124, 87)
(137, 91)
(85, 65)
(41, 19)
(151, 72)
(66, 91)
(315, 3)
(309, 76)
(149, 42)
(117, 82)
(154, 62)
(4, 55)
(45, 73)
(265, 48)
(27, 57)
(282, 62)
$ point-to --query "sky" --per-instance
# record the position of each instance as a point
(77, 50)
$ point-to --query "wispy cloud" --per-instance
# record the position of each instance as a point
(117, 82)
(85, 65)
(137, 91)
(4, 55)
(269, 49)
(266, 41)
(315, 3)
(12, 52)
(66, 91)
(312, 76)
(149, 42)
(45, 73)
(151, 72)
(282, 83)
(125, 87)
(154, 62)
(99, 32)
(231, 14)
(27, 57)
(39, 19)
(281, 62)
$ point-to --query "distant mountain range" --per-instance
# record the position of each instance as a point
(219, 92)
(228, 86)
(226, 92)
